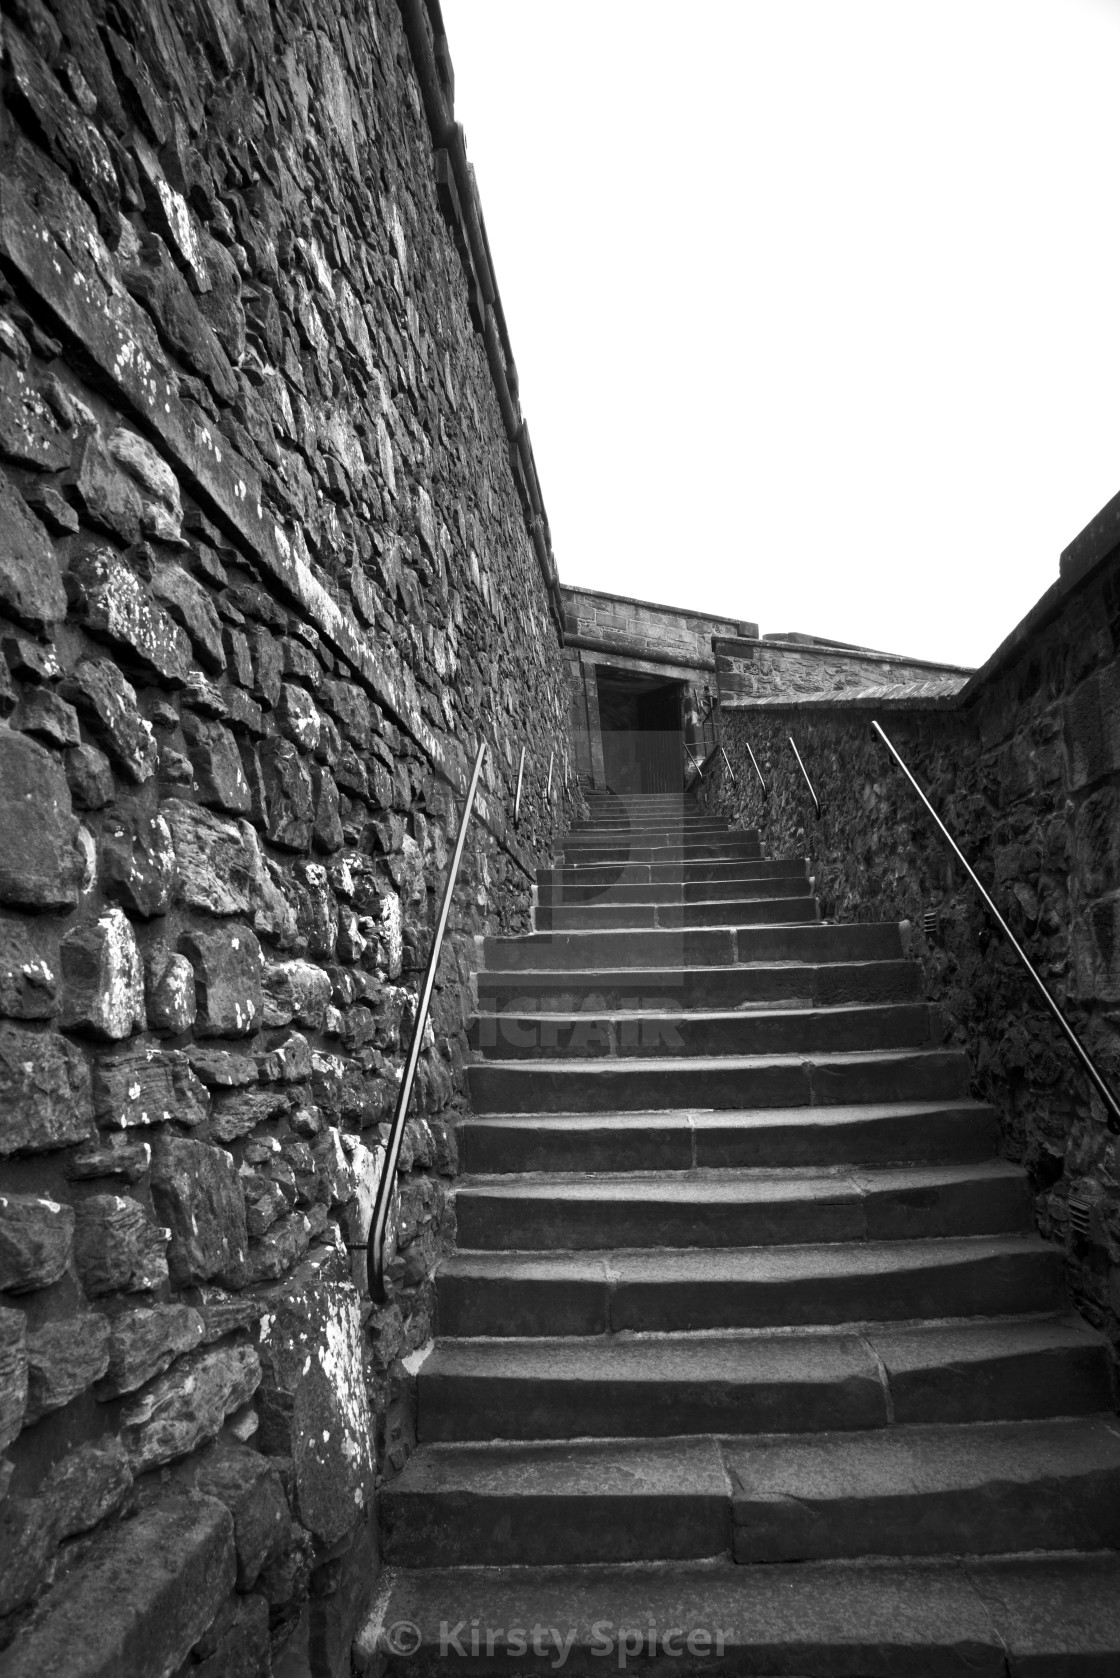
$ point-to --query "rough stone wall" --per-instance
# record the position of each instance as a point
(1026, 776)
(266, 575)
(749, 669)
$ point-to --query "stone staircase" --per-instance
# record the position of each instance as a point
(749, 1358)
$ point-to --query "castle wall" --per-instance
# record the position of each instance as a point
(272, 560)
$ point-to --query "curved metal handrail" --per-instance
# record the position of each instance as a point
(757, 770)
(517, 796)
(1112, 1106)
(805, 772)
(379, 1223)
(730, 771)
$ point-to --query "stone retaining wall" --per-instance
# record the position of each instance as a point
(749, 668)
(1024, 768)
(270, 564)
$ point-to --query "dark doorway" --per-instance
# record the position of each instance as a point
(640, 718)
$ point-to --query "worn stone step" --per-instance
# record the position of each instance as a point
(766, 907)
(672, 873)
(647, 1386)
(524, 1034)
(987, 1489)
(696, 947)
(800, 985)
(636, 850)
(661, 881)
(740, 887)
(622, 1500)
(887, 1133)
(686, 826)
(650, 1290)
(1041, 1616)
(737, 1208)
(632, 1085)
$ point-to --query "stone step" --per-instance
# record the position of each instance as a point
(524, 1034)
(1040, 1616)
(650, 1386)
(651, 882)
(603, 852)
(672, 873)
(700, 947)
(737, 888)
(765, 907)
(737, 1208)
(892, 1133)
(540, 1504)
(800, 985)
(654, 1291)
(904, 1491)
(651, 1085)
(664, 823)
(995, 1488)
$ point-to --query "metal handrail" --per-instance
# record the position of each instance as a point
(548, 789)
(695, 765)
(730, 771)
(805, 772)
(379, 1223)
(757, 770)
(517, 797)
(1112, 1106)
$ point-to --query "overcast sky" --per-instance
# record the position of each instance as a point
(816, 307)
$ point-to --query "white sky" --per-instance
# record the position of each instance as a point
(815, 306)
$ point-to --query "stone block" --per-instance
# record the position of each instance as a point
(28, 968)
(249, 1486)
(313, 1402)
(31, 588)
(295, 990)
(30, 431)
(188, 1405)
(216, 762)
(74, 143)
(13, 1374)
(43, 714)
(39, 862)
(222, 870)
(35, 1239)
(109, 704)
(298, 717)
(327, 832)
(121, 1156)
(227, 969)
(116, 1248)
(241, 1648)
(196, 1189)
(138, 1601)
(147, 1086)
(63, 1359)
(161, 505)
(143, 1343)
(89, 776)
(44, 1092)
(106, 496)
(117, 608)
(102, 978)
(138, 861)
(288, 811)
(267, 664)
(86, 1485)
(169, 979)
(238, 1113)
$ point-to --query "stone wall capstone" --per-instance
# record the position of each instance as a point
(270, 565)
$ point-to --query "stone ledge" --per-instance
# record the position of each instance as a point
(139, 1604)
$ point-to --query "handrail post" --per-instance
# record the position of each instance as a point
(383, 1200)
(805, 772)
(1112, 1106)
